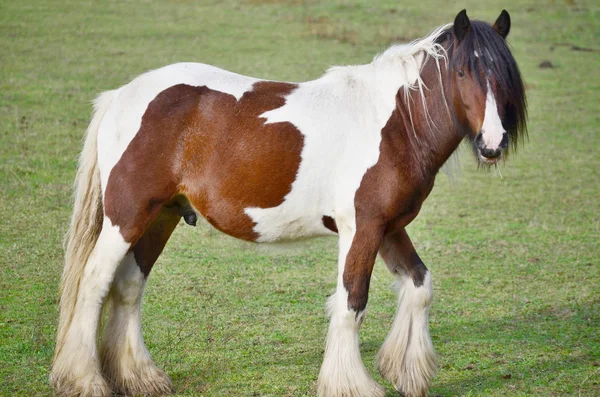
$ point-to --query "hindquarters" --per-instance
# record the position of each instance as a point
(196, 150)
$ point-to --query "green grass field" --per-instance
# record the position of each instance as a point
(515, 261)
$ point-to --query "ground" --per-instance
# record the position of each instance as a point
(515, 260)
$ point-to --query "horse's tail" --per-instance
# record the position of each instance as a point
(86, 221)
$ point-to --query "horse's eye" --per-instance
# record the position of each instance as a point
(460, 73)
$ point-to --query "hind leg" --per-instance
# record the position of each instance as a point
(76, 368)
(125, 360)
(407, 358)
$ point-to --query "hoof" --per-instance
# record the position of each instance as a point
(86, 386)
(339, 384)
(409, 381)
(144, 380)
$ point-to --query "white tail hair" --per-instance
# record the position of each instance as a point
(86, 221)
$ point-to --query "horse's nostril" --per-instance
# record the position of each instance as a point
(491, 153)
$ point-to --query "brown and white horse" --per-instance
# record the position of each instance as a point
(353, 153)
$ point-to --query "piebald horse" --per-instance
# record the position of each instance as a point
(353, 153)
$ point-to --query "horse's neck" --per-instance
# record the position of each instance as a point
(424, 121)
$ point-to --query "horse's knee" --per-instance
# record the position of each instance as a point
(358, 294)
(358, 266)
(356, 281)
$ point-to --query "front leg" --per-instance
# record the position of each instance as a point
(407, 358)
(343, 373)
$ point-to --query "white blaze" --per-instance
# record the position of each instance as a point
(492, 129)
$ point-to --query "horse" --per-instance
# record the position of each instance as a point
(353, 153)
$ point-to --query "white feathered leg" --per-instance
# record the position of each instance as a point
(407, 358)
(125, 360)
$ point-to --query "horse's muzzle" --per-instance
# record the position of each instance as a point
(490, 155)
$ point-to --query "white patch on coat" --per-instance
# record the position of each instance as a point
(341, 116)
(407, 358)
(492, 130)
(123, 119)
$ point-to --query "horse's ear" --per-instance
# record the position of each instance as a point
(462, 25)
(502, 24)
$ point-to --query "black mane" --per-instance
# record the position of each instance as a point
(496, 61)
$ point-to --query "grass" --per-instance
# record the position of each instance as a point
(515, 260)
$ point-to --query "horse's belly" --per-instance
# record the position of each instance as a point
(293, 219)
(277, 224)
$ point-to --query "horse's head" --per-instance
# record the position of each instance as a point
(486, 87)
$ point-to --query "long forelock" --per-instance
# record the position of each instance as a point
(487, 55)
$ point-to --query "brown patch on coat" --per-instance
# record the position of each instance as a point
(329, 223)
(211, 148)
(236, 161)
(147, 176)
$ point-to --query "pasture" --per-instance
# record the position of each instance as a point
(513, 251)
